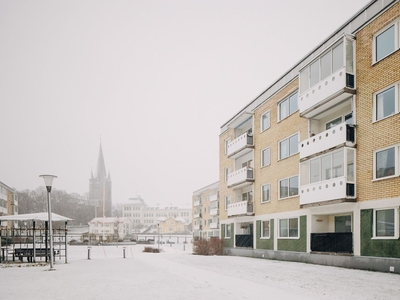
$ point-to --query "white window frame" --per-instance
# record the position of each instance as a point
(287, 99)
(262, 230)
(226, 142)
(396, 101)
(263, 163)
(226, 202)
(396, 162)
(288, 139)
(288, 178)
(262, 129)
(289, 237)
(396, 224)
(262, 194)
(226, 231)
(227, 172)
(396, 40)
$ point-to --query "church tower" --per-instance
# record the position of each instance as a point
(100, 188)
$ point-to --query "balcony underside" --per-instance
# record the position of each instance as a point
(242, 151)
(325, 104)
(329, 202)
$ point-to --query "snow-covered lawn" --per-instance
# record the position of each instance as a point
(177, 274)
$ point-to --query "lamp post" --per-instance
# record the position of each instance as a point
(48, 181)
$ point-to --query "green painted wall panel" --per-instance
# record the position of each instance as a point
(298, 245)
(267, 244)
(379, 248)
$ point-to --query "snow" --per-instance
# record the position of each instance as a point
(177, 274)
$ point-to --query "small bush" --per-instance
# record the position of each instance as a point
(151, 250)
(214, 246)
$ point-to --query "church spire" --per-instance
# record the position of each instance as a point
(101, 168)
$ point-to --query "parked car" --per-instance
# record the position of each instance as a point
(170, 242)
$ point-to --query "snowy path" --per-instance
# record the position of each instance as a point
(175, 274)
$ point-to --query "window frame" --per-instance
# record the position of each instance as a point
(226, 203)
(288, 139)
(288, 229)
(288, 178)
(263, 164)
(262, 193)
(227, 173)
(262, 129)
(396, 162)
(396, 224)
(226, 142)
(226, 231)
(396, 41)
(288, 103)
(262, 230)
(396, 86)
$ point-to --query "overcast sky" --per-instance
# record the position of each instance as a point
(154, 79)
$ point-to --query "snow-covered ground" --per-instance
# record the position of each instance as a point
(177, 274)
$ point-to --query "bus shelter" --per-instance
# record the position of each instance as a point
(26, 237)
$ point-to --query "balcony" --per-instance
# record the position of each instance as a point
(244, 240)
(342, 134)
(243, 144)
(197, 203)
(240, 208)
(196, 216)
(328, 190)
(197, 227)
(214, 225)
(241, 177)
(327, 93)
(332, 242)
(214, 211)
(214, 197)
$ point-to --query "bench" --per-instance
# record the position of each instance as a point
(20, 253)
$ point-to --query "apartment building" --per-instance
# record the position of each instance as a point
(109, 229)
(206, 212)
(311, 166)
(8, 201)
(143, 216)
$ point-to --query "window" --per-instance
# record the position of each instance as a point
(265, 157)
(288, 106)
(386, 42)
(265, 193)
(247, 196)
(227, 172)
(333, 123)
(386, 162)
(289, 187)
(289, 146)
(265, 121)
(227, 141)
(327, 64)
(386, 102)
(227, 201)
(289, 228)
(227, 231)
(265, 229)
(385, 221)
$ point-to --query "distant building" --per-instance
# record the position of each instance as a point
(8, 201)
(108, 229)
(143, 216)
(206, 212)
(100, 188)
(172, 225)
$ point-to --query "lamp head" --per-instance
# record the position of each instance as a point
(48, 181)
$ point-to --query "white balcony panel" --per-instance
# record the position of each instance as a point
(325, 140)
(240, 208)
(214, 197)
(332, 88)
(240, 176)
(321, 191)
(197, 203)
(213, 211)
(214, 226)
(197, 227)
(196, 216)
(240, 146)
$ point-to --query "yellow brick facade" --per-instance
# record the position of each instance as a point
(372, 136)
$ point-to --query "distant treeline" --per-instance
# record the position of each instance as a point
(74, 206)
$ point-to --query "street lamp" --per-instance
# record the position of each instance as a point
(48, 181)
